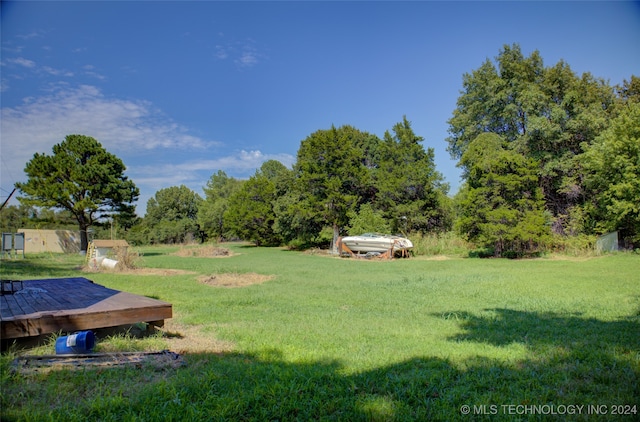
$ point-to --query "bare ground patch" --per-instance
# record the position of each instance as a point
(208, 251)
(156, 271)
(139, 271)
(234, 280)
(563, 257)
(437, 258)
(193, 339)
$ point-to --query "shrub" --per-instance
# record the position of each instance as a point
(580, 245)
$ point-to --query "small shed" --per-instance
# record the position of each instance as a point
(101, 248)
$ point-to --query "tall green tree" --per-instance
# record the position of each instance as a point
(578, 110)
(501, 206)
(274, 170)
(330, 176)
(252, 208)
(211, 212)
(612, 167)
(409, 190)
(172, 215)
(544, 113)
(14, 217)
(251, 213)
(629, 91)
(80, 177)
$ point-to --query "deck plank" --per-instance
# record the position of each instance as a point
(25, 306)
(70, 304)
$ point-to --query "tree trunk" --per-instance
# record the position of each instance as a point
(84, 240)
(334, 241)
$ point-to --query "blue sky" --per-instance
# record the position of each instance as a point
(180, 90)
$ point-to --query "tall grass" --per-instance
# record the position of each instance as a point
(576, 246)
(448, 243)
(452, 244)
(341, 339)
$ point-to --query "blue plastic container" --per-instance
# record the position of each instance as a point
(78, 343)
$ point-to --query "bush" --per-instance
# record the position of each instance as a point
(127, 258)
(580, 245)
(482, 253)
(367, 220)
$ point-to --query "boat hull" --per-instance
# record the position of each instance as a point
(373, 243)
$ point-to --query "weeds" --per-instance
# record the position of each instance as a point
(127, 258)
(575, 246)
(447, 243)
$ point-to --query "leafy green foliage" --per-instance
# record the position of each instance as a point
(80, 177)
(630, 90)
(347, 177)
(367, 220)
(250, 214)
(298, 225)
(612, 165)
(545, 113)
(502, 205)
(211, 212)
(409, 190)
(14, 217)
(330, 175)
(172, 215)
(252, 208)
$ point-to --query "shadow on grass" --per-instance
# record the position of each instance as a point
(33, 268)
(572, 362)
(152, 253)
(539, 331)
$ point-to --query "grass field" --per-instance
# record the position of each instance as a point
(339, 339)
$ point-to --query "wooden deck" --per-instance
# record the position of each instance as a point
(35, 307)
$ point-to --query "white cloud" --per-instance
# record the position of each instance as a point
(90, 70)
(247, 59)
(195, 173)
(240, 164)
(243, 53)
(119, 125)
(221, 52)
(21, 61)
(134, 130)
(56, 72)
(33, 34)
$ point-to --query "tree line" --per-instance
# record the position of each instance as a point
(344, 180)
(546, 154)
(542, 147)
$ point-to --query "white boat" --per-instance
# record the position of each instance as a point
(375, 242)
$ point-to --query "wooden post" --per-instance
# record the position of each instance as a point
(344, 248)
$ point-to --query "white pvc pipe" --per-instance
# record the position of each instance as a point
(109, 263)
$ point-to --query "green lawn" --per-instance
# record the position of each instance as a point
(343, 339)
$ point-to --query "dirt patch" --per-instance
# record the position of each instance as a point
(193, 339)
(234, 280)
(437, 258)
(204, 252)
(140, 271)
(47, 363)
(156, 271)
(562, 257)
